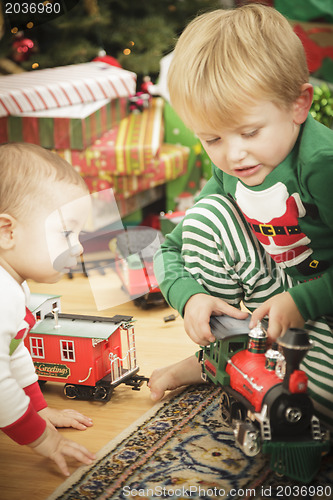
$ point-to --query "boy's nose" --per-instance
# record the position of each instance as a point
(236, 151)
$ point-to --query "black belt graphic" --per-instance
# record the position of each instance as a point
(270, 230)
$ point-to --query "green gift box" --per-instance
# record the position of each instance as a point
(69, 127)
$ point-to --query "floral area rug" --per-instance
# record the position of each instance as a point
(182, 450)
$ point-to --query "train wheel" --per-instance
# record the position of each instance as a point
(102, 393)
(238, 411)
(70, 391)
(141, 302)
(225, 408)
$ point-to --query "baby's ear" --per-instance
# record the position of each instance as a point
(7, 226)
(302, 105)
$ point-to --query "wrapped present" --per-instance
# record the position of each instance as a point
(130, 148)
(73, 127)
(177, 133)
(123, 187)
(171, 164)
(63, 86)
(317, 39)
(130, 205)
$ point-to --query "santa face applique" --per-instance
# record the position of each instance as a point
(28, 322)
(273, 216)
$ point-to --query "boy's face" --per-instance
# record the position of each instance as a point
(263, 137)
(47, 242)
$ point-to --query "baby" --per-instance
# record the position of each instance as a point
(43, 207)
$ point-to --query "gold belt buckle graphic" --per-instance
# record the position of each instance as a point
(270, 231)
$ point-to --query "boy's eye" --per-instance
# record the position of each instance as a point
(212, 141)
(67, 233)
(252, 133)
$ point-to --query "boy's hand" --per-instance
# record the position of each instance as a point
(65, 418)
(53, 445)
(282, 314)
(197, 312)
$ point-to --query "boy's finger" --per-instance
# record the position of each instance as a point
(77, 415)
(274, 331)
(258, 315)
(80, 453)
(61, 463)
(75, 424)
(204, 336)
(225, 308)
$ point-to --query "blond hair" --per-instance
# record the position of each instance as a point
(26, 171)
(226, 59)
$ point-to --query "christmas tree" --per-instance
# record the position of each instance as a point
(137, 34)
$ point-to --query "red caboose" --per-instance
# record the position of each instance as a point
(91, 355)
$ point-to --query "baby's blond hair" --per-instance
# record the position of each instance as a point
(26, 172)
(227, 59)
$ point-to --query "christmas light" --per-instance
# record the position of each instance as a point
(126, 52)
(35, 65)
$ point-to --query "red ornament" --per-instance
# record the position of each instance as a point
(22, 49)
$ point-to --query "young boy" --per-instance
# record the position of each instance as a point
(262, 232)
(43, 206)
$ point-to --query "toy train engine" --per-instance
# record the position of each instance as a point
(91, 355)
(264, 395)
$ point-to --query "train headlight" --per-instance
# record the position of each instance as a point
(293, 415)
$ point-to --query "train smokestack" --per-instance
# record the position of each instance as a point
(295, 343)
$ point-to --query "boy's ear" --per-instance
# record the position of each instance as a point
(302, 105)
(7, 226)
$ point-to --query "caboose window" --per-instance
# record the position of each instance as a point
(37, 347)
(67, 350)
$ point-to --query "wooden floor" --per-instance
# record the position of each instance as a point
(27, 476)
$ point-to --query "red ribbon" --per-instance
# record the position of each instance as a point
(314, 52)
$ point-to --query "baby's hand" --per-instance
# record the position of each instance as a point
(53, 445)
(198, 310)
(282, 314)
(65, 418)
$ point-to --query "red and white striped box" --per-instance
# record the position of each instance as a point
(63, 86)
